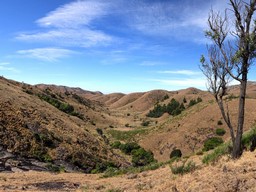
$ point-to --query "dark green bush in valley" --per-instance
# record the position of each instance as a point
(141, 157)
(128, 147)
(175, 153)
(220, 131)
(173, 108)
(211, 143)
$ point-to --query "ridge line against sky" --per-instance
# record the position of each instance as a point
(107, 46)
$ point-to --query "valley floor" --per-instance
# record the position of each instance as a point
(225, 175)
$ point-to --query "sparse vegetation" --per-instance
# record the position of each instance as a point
(111, 172)
(127, 135)
(216, 153)
(183, 167)
(226, 148)
(231, 97)
(81, 100)
(64, 107)
(55, 168)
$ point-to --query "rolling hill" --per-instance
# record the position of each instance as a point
(49, 127)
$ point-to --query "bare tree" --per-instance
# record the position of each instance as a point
(230, 57)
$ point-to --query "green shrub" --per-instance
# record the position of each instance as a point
(175, 153)
(55, 168)
(220, 131)
(199, 153)
(141, 157)
(211, 143)
(103, 166)
(158, 111)
(64, 107)
(219, 122)
(116, 145)
(173, 108)
(145, 123)
(99, 131)
(183, 168)
(166, 97)
(248, 136)
(129, 147)
(216, 153)
(194, 102)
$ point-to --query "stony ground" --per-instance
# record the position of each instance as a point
(225, 175)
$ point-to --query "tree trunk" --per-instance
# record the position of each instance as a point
(237, 145)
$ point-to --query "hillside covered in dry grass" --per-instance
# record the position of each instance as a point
(62, 129)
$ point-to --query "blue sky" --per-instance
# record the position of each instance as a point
(109, 46)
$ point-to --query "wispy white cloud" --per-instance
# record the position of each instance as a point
(5, 66)
(75, 23)
(184, 20)
(71, 25)
(181, 72)
(46, 54)
(183, 83)
(74, 14)
(4, 63)
(68, 37)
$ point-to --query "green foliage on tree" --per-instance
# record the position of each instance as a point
(64, 107)
(195, 101)
(128, 147)
(141, 157)
(173, 108)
